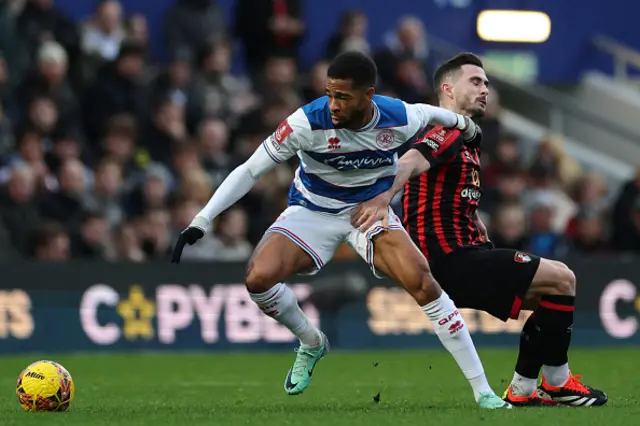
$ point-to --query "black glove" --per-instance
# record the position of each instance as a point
(188, 236)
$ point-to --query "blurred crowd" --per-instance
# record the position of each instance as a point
(106, 154)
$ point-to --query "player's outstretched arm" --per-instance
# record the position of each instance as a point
(369, 212)
(422, 115)
(283, 144)
(234, 187)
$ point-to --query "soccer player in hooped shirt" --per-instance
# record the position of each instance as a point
(347, 143)
(440, 199)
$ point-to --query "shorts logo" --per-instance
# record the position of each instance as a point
(521, 257)
(282, 132)
(385, 138)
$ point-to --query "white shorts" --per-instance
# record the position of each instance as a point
(320, 234)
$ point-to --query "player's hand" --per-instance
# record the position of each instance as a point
(467, 127)
(193, 233)
(371, 211)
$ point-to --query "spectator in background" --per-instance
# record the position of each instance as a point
(213, 143)
(5, 85)
(316, 83)
(175, 83)
(65, 145)
(588, 237)
(91, 240)
(43, 116)
(136, 30)
(152, 194)
(126, 244)
(408, 41)
(66, 206)
(505, 157)
(119, 144)
(50, 80)
(509, 188)
(102, 34)
(351, 35)
(30, 151)
(195, 185)
(166, 130)
(268, 28)
(230, 237)
(18, 207)
(119, 88)
(193, 24)
(51, 243)
(41, 21)
(411, 82)
(7, 142)
(218, 92)
(185, 158)
(623, 237)
(509, 227)
(545, 181)
(590, 195)
(155, 233)
(544, 240)
(106, 196)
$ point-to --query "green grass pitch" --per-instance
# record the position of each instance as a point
(416, 388)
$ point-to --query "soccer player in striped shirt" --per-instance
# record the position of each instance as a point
(440, 176)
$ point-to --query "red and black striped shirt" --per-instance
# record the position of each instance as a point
(440, 204)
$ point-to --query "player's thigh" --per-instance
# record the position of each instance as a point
(299, 241)
(552, 278)
(391, 253)
(274, 260)
(491, 280)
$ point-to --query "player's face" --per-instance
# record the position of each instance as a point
(348, 105)
(471, 90)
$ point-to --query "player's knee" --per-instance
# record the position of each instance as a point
(260, 277)
(564, 280)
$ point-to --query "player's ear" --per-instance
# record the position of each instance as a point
(446, 89)
(369, 93)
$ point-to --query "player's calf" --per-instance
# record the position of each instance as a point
(396, 256)
(275, 259)
(546, 341)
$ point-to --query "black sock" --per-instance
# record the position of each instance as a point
(529, 360)
(554, 317)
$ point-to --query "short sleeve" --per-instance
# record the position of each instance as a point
(288, 138)
(439, 145)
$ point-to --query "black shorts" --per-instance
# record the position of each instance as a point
(487, 279)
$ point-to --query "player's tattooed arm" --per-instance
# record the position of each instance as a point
(369, 212)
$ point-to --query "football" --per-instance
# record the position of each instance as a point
(45, 386)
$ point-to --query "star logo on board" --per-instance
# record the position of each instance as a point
(137, 312)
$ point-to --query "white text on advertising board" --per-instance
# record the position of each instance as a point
(615, 294)
(15, 315)
(393, 311)
(176, 307)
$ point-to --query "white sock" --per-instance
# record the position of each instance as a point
(556, 376)
(523, 386)
(280, 303)
(454, 335)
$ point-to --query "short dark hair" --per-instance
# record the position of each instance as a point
(354, 66)
(453, 65)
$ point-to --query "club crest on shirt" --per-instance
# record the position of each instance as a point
(521, 257)
(385, 138)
